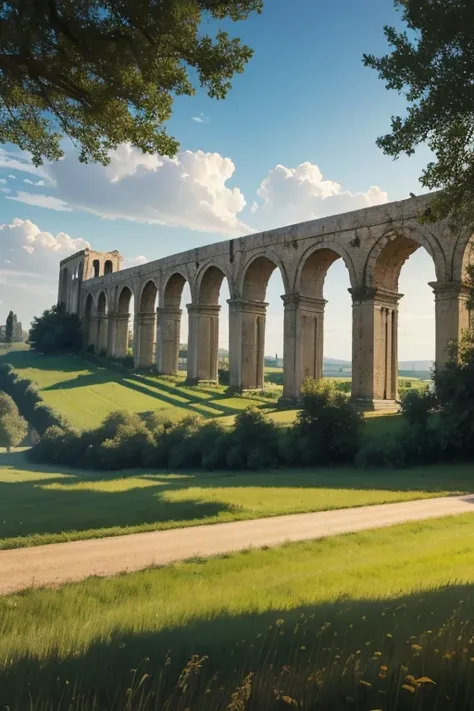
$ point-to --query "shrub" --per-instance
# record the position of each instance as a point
(212, 441)
(411, 446)
(125, 450)
(454, 388)
(13, 428)
(417, 406)
(29, 401)
(328, 428)
(344, 386)
(253, 441)
(224, 372)
(56, 331)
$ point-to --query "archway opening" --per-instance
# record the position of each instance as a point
(102, 324)
(326, 318)
(211, 329)
(172, 339)
(96, 268)
(145, 327)
(108, 266)
(404, 348)
(262, 325)
(124, 341)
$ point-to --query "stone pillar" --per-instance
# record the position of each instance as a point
(145, 323)
(111, 331)
(375, 346)
(102, 323)
(121, 335)
(89, 332)
(303, 342)
(169, 330)
(246, 343)
(452, 316)
(203, 342)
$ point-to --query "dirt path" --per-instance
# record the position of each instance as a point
(64, 562)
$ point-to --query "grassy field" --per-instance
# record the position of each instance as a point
(40, 505)
(363, 621)
(84, 392)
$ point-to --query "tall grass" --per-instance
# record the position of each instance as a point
(363, 622)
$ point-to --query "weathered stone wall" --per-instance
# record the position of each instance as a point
(374, 243)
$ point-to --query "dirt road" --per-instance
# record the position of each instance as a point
(64, 562)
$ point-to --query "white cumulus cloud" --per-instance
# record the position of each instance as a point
(289, 195)
(188, 191)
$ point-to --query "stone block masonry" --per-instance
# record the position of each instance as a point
(373, 243)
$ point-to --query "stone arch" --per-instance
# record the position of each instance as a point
(102, 304)
(148, 297)
(88, 306)
(64, 286)
(102, 322)
(314, 265)
(122, 322)
(169, 323)
(96, 268)
(256, 275)
(108, 266)
(209, 284)
(391, 251)
(89, 320)
(173, 290)
(203, 332)
(463, 254)
(124, 300)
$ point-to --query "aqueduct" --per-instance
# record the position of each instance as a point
(373, 243)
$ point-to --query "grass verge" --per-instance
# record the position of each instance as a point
(341, 623)
(40, 505)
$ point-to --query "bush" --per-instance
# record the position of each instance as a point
(29, 401)
(417, 407)
(328, 429)
(56, 331)
(13, 428)
(454, 388)
(344, 386)
(411, 446)
(125, 450)
(224, 372)
(253, 442)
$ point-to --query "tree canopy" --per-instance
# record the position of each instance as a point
(55, 331)
(105, 72)
(13, 428)
(432, 64)
(10, 327)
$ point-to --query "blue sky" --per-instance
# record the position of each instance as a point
(305, 99)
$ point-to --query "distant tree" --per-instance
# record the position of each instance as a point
(10, 327)
(56, 331)
(433, 65)
(13, 428)
(105, 73)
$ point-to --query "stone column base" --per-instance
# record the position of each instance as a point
(370, 405)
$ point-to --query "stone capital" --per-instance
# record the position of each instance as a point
(252, 307)
(169, 312)
(146, 316)
(305, 303)
(378, 296)
(121, 316)
(204, 309)
(449, 290)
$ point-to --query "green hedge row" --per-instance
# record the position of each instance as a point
(29, 401)
(328, 430)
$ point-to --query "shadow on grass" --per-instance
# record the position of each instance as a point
(51, 502)
(317, 655)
